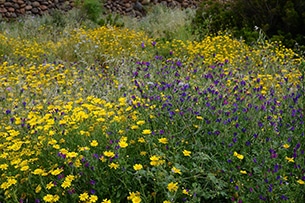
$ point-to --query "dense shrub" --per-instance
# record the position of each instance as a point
(280, 20)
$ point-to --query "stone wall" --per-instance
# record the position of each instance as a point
(137, 7)
(16, 8)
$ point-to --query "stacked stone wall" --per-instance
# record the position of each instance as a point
(15, 8)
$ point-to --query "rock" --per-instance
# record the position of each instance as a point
(43, 7)
(11, 9)
(8, 4)
(145, 2)
(128, 9)
(28, 7)
(14, 15)
(127, 5)
(44, 3)
(138, 6)
(22, 11)
(35, 4)
(185, 4)
(16, 6)
(35, 10)
(3, 10)
(2, 1)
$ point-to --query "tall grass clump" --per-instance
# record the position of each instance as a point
(163, 23)
(108, 114)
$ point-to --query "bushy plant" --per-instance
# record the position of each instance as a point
(278, 19)
(92, 9)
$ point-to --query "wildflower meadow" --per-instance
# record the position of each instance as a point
(109, 114)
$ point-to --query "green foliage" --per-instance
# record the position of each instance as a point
(211, 17)
(284, 20)
(93, 9)
(112, 20)
(57, 18)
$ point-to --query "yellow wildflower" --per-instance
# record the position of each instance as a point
(176, 170)
(51, 198)
(141, 140)
(109, 154)
(50, 185)
(199, 117)
(172, 187)
(140, 122)
(146, 132)
(137, 167)
(93, 198)
(113, 165)
(38, 189)
(186, 153)
(94, 143)
(163, 140)
(289, 159)
(84, 196)
(123, 144)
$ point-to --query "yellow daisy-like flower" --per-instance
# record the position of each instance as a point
(289, 159)
(57, 171)
(114, 165)
(93, 198)
(123, 144)
(286, 146)
(38, 189)
(185, 191)
(239, 156)
(137, 167)
(301, 182)
(141, 140)
(172, 187)
(133, 195)
(136, 199)
(140, 122)
(176, 170)
(199, 117)
(243, 172)
(134, 127)
(48, 198)
(146, 132)
(106, 201)
(163, 140)
(51, 198)
(50, 185)
(3, 166)
(72, 154)
(94, 143)
(84, 196)
(24, 168)
(186, 153)
(66, 184)
(109, 154)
